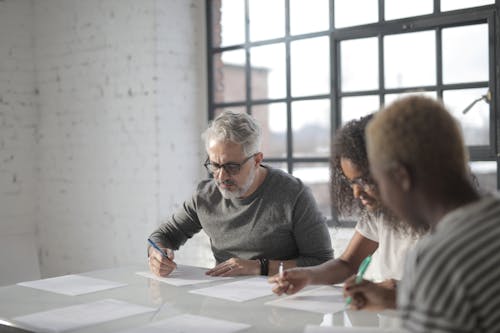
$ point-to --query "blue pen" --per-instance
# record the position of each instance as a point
(153, 244)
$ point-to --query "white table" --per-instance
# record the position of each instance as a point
(17, 300)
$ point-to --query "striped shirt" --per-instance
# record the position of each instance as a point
(451, 281)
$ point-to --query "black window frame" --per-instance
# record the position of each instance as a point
(437, 20)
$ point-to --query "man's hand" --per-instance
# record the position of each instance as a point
(235, 266)
(367, 295)
(291, 282)
(158, 264)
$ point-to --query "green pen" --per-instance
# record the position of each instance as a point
(359, 277)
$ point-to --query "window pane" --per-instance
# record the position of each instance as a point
(355, 12)
(410, 59)
(486, 174)
(310, 66)
(459, 4)
(311, 128)
(268, 71)
(229, 22)
(272, 118)
(309, 16)
(389, 98)
(359, 64)
(317, 177)
(359, 106)
(476, 122)
(277, 165)
(465, 61)
(229, 76)
(267, 19)
(395, 9)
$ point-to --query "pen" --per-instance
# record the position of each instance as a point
(359, 277)
(153, 244)
(280, 269)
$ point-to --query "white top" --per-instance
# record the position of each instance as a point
(388, 260)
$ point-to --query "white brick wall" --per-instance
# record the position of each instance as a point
(178, 67)
(122, 104)
(18, 117)
(101, 106)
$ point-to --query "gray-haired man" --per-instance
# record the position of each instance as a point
(254, 215)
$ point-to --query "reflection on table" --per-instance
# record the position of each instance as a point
(169, 301)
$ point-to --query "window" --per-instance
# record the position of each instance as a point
(303, 68)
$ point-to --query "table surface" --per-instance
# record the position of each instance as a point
(17, 300)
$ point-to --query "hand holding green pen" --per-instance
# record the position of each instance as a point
(359, 277)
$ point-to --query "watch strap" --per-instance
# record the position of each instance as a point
(264, 266)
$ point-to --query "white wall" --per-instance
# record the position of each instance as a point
(18, 118)
(179, 64)
(121, 108)
(110, 143)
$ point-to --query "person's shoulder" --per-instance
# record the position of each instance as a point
(205, 183)
(458, 234)
(206, 187)
(283, 178)
(490, 201)
(456, 227)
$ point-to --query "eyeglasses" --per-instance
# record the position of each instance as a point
(231, 168)
(363, 182)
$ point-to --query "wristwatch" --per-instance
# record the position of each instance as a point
(264, 266)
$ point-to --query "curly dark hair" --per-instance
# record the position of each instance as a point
(350, 143)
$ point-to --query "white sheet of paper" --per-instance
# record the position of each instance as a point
(336, 329)
(238, 291)
(81, 315)
(185, 275)
(322, 300)
(192, 324)
(72, 285)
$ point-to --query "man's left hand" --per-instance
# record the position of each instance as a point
(234, 267)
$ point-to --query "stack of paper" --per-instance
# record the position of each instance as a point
(238, 291)
(78, 316)
(72, 285)
(185, 275)
(322, 300)
(192, 324)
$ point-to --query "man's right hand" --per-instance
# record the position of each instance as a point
(158, 264)
(292, 281)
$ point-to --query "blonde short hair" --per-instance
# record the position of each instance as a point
(421, 134)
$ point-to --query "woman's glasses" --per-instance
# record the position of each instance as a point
(364, 182)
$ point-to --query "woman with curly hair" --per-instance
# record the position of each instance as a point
(355, 195)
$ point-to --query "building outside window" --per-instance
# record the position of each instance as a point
(303, 68)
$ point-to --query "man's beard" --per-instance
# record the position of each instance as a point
(239, 191)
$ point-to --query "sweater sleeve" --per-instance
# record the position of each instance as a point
(179, 227)
(310, 231)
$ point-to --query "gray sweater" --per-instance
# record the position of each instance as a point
(279, 221)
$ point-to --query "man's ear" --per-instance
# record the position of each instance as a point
(258, 158)
(402, 176)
